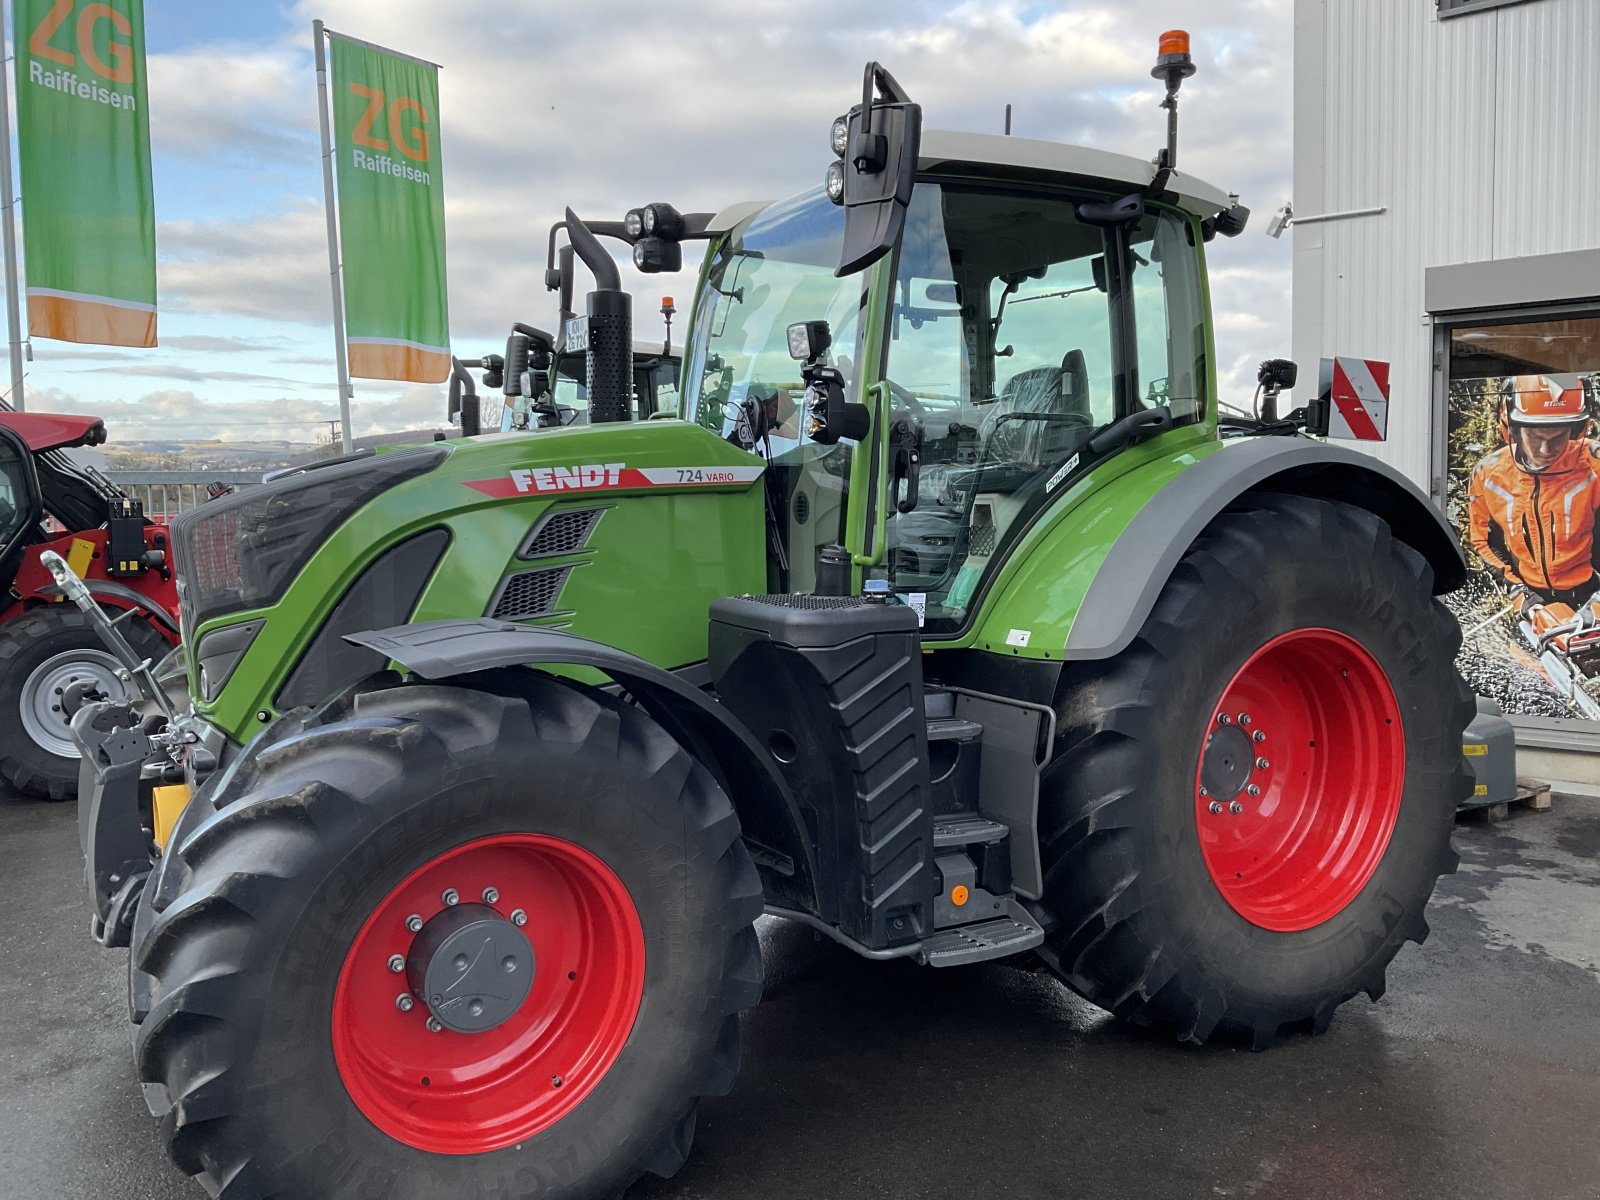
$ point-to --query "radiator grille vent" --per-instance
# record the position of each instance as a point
(530, 594)
(561, 533)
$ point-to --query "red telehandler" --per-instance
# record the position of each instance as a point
(48, 501)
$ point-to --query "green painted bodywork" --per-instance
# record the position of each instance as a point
(1041, 585)
(643, 583)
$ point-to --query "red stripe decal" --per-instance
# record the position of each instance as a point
(1350, 407)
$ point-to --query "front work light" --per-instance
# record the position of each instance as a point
(839, 136)
(653, 255)
(662, 221)
(808, 340)
(835, 181)
(634, 223)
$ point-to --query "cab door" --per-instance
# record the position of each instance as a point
(20, 505)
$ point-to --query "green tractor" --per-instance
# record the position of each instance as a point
(446, 884)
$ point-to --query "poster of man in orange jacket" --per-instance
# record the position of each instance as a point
(1533, 503)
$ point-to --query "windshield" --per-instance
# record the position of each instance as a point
(742, 385)
(1003, 349)
(15, 506)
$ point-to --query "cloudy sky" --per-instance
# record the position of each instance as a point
(603, 105)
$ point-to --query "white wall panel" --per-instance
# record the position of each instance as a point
(1479, 134)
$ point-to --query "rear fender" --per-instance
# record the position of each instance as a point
(1091, 581)
(769, 818)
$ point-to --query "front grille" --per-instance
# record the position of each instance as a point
(529, 594)
(561, 533)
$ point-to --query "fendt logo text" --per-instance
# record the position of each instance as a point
(561, 479)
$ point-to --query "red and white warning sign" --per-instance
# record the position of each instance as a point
(1357, 391)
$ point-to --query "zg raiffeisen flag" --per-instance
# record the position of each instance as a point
(391, 213)
(88, 209)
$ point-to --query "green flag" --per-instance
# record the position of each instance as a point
(83, 133)
(391, 212)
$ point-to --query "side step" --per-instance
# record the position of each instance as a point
(966, 829)
(995, 938)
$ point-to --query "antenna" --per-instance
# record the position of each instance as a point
(1008, 120)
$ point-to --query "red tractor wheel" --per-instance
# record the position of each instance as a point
(450, 941)
(1249, 807)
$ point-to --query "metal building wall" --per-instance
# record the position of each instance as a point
(1480, 135)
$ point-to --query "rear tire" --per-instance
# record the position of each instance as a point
(41, 651)
(1171, 907)
(274, 1032)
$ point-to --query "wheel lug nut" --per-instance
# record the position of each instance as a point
(1224, 719)
(404, 1002)
(1216, 807)
(491, 895)
(434, 1026)
(1262, 764)
(1244, 718)
(1253, 790)
(1258, 736)
(519, 917)
(450, 897)
(1236, 808)
(396, 963)
(414, 923)
(1204, 791)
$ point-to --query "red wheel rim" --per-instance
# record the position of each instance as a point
(1290, 843)
(453, 1093)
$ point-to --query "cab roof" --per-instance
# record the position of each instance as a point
(1000, 156)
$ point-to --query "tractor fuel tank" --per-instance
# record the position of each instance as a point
(831, 686)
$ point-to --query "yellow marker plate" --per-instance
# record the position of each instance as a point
(1474, 749)
(170, 801)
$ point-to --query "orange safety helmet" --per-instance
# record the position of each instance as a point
(1541, 400)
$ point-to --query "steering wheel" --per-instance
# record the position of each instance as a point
(906, 398)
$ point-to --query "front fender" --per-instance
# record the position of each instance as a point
(769, 818)
(1089, 581)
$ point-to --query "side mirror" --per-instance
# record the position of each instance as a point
(876, 145)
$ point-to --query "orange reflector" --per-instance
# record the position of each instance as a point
(959, 895)
(1175, 41)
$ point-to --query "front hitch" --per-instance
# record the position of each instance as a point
(116, 849)
(116, 742)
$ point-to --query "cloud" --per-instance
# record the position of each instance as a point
(209, 344)
(173, 413)
(190, 375)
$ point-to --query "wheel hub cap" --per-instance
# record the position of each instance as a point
(473, 967)
(1225, 765)
(43, 713)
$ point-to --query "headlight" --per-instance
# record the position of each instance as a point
(839, 136)
(244, 552)
(634, 222)
(836, 182)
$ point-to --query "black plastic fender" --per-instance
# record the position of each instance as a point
(1125, 588)
(770, 820)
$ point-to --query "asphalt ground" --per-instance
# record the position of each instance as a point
(1478, 1075)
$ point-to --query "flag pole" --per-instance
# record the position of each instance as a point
(346, 392)
(8, 229)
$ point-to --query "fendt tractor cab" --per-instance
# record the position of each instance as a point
(942, 622)
(51, 503)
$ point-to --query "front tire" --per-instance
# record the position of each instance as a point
(41, 653)
(1249, 807)
(586, 852)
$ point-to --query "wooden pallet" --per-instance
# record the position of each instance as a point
(1533, 794)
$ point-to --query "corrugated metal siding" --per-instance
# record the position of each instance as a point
(1480, 136)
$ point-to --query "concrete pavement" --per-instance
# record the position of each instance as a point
(1478, 1075)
